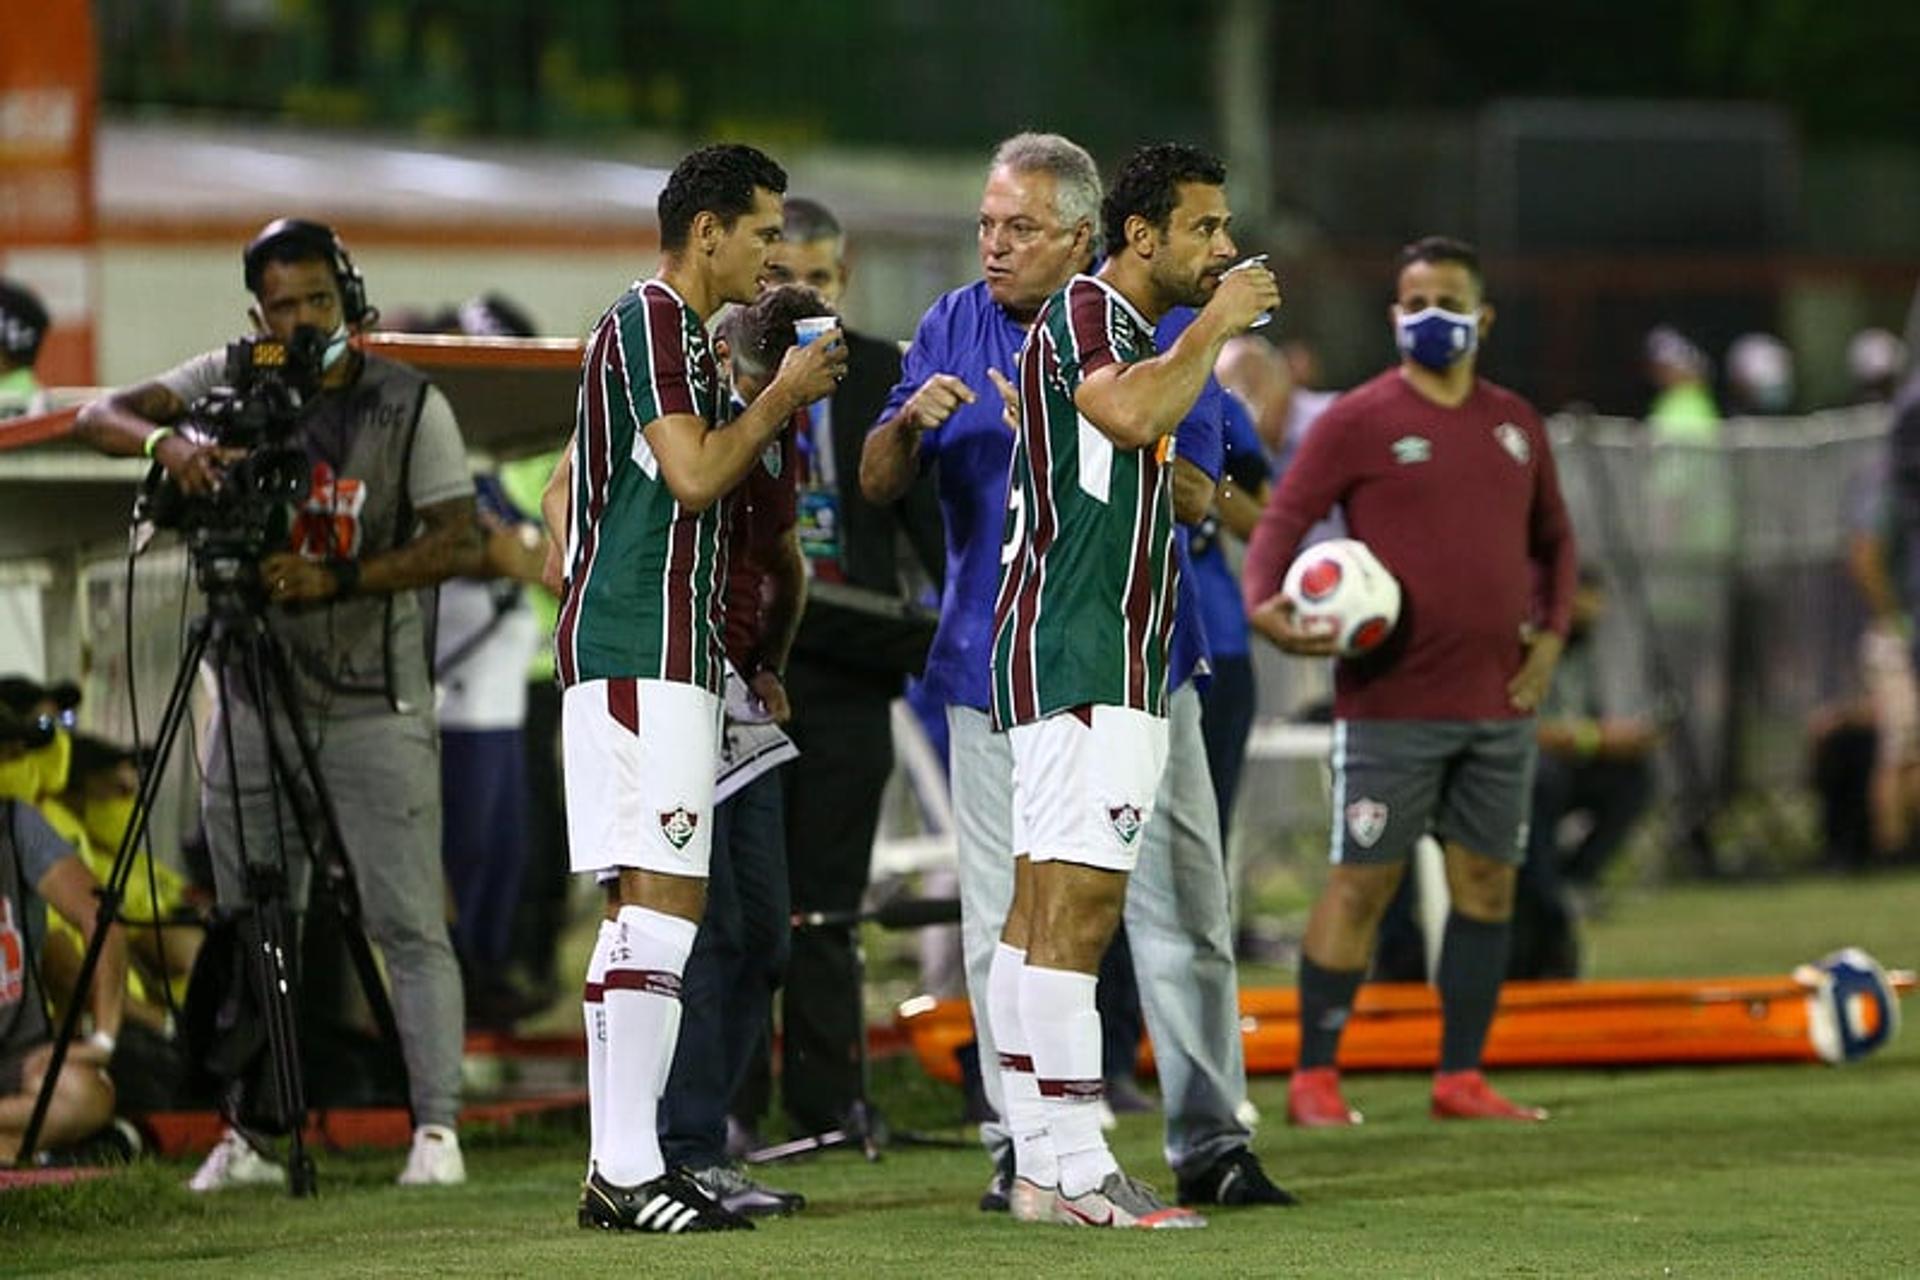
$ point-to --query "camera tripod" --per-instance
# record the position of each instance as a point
(233, 633)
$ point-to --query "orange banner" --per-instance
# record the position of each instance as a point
(48, 96)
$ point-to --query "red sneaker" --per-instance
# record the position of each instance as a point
(1314, 1101)
(1466, 1095)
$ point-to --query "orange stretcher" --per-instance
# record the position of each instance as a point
(1396, 1026)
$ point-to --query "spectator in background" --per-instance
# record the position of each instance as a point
(1282, 407)
(1759, 375)
(1303, 363)
(1683, 409)
(23, 326)
(841, 683)
(38, 870)
(486, 635)
(1875, 360)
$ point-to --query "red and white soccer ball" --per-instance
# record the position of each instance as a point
(1341, 587)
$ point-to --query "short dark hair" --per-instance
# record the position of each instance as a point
(1443, 249)
(758, 336)
(805, 220)
(23, 323)
(1148, 186)
(720, 180)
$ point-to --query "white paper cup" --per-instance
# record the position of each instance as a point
(812, 327)
(1257, 260)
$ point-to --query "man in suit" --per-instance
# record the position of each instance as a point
(841, 677)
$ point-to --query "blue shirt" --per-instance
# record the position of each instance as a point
(1221, 609)
(962, 335)
(1201, 441)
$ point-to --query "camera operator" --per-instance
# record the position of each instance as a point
(389, 510)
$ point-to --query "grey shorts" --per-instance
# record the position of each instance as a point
(1469, 782)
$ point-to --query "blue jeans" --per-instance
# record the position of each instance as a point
(1177, 927)
(738, 957)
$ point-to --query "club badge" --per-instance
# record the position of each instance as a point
(1366, 822)
(678, 825)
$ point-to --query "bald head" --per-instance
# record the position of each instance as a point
(1254, 370)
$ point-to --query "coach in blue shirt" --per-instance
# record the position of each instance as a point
(1037, 223)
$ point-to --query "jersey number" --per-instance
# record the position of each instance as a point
(1016, 524)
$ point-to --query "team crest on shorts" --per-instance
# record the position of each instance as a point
(678, 825)
(1514, 441)
(1367, 822)
(1126, 820)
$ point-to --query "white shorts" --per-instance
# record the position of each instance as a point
(1083, 789)
(640, 758)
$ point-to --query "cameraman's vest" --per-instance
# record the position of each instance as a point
(23, 1013)
(365, 654)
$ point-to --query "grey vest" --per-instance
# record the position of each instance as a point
(23, 1013)
(365, 654)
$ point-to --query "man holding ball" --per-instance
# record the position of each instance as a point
(1450, 480)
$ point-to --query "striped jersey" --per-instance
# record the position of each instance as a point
(1087, 567)
(645, 586)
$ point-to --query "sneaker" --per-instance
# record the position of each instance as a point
(998, 1197)
(234, 1163)
(1234, 1179)
(1121, 1201)
(1466, 1095)
(740, 1194)
(1028, 1201)
(435, 1160)
(670, 1204)
(1314, 1101)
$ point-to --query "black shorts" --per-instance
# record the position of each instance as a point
(1469, 782)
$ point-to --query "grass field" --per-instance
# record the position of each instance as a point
(1795, 1171)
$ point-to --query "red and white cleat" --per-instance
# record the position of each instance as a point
(1466, 1095)
(1314, 1101)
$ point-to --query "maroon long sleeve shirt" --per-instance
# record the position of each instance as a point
(1463, 506)
(764, 510)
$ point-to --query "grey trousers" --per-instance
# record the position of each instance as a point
(1177, 924)
(383, 772)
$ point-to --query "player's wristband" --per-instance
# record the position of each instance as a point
(102, 1041)
(346, 577)
(151, 444)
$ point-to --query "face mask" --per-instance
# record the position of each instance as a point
(1438, 339)
(107, 821)
(41, 772)
(336, 347)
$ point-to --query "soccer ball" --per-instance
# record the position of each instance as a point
(1341, 586)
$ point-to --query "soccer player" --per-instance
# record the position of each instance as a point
(638, 645)
(1038, 226)
(1081, 630)
(1450, 480)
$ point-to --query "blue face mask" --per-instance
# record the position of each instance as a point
(1438, 339)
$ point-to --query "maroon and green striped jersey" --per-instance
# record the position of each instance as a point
(1087, 568)
(646, 577)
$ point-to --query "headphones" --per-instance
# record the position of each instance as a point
(314, 239)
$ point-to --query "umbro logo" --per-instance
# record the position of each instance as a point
(1408, 450)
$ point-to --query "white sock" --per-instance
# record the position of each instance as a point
(1063, 1034)
(1026, 1119)
(594, 1016)
(642, 1008)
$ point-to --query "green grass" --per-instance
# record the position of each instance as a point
(1713, 1172)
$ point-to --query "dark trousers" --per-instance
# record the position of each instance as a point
(1118, 999)
(726, 993)
(1226, 718)
(842, 729)
(483, 842)
(1613, 794)
(541, 915)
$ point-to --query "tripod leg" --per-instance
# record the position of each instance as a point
(179, 698)
(266, 888)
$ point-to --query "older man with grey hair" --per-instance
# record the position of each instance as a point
(1038, 226)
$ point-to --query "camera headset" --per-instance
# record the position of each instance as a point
(316, 240)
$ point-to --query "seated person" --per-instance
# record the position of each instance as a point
(36, 867)
(92, 815)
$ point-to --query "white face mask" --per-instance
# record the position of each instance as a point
(336, 347)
